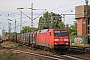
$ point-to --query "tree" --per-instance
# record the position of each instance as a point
(49, 20)
(40, 23)
(72, 29)
(28, 29)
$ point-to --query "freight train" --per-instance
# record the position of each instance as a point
(53, 38)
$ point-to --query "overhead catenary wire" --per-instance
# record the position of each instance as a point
(18, 25)
(24, 14)
(55, 8)
(67, 10)
(66, 6)
(39, 15)
(45, 3)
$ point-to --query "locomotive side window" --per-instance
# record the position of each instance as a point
(60, 33)
(50, 33)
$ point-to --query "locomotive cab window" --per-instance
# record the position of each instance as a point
(60, 33)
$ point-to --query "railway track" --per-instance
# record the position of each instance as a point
(85, 55)
(47, 56)
(51, 57)
(66, 56)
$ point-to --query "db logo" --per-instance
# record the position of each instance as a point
(78, 40)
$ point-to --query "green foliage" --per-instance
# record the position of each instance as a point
(49, 20)
(28, 29)
(40, 23)
(72, 29)
(61, 24)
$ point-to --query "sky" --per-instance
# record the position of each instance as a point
(56, 6)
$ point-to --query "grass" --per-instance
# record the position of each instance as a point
(9, 44)
(11, 56)
(81, 45)
(13, 45)
(8, 55)
(5, 56)
(16, 56)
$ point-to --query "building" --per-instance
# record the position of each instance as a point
(2, 33)
(80, 14)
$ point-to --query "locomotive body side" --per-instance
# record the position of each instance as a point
(45, 39)
(53, 38)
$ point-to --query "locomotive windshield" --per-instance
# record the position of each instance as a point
(60, 33)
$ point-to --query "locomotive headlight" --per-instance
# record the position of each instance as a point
(56, 40)
(65, 39)
(67, 43)
(55, 43)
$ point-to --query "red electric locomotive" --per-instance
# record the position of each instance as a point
(53, 38)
